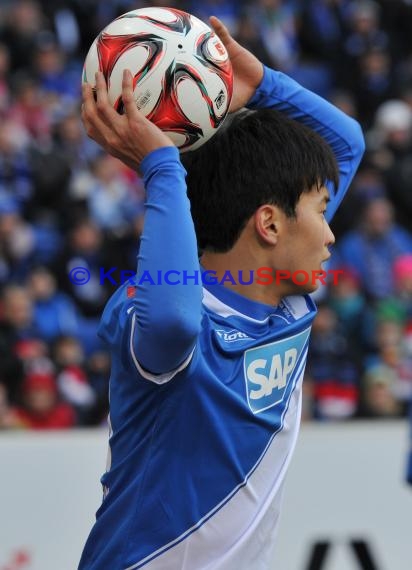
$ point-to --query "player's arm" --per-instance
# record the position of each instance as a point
(260, 87)
(165, 319)
(166, 316)
(344, 135)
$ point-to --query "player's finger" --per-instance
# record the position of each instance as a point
(88, 109)
(87, 94)
(221, 30)
(127, 94)
(94, 126)
(129, 103)
(106, 112)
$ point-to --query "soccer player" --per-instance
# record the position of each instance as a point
(205, 390)
(409, 456)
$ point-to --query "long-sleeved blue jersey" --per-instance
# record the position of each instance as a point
(200, 444)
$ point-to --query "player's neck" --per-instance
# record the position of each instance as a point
(244, 262)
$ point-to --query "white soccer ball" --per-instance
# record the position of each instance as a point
(183, 77)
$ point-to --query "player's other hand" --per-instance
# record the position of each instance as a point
(247, 69)
(129, 137)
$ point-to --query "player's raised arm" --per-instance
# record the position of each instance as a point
(260, 87)
(165, 318)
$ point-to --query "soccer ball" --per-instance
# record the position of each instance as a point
(182, 75)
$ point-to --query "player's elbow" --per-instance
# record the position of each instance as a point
(168, 341)
(181, 331)
(357, 140)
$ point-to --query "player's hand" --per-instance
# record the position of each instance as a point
(247, 69)
(129, 137)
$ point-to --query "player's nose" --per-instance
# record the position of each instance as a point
(329, 236)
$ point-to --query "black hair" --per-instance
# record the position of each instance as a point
(261, 157)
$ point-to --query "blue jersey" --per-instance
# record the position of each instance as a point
(200, 444)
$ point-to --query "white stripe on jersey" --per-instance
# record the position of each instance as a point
(296, 305)
(250, 513)
(217, 306)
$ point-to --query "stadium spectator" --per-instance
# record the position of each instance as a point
(74, 387)
(248, 35)
(70, 139)
(58, 80)
(67, 19)
(378, 398)
(29, 109)
(399, 305)
(72, 378)
(227, 10)
(16, 176)
(390, 366)
(322, 30)
(373, 83)
(84, 249)
(22, 25)
(55, 313)
(391, 146)
(396, 18)
(41, 408)
(4, 79)
(276, 23)
(112, 202)
(370, 250)
(17, 243)
(17, 312)
(354, 315)
(34, 355)
(367, 185)
(332, 369)
(8, 418)
(98, 373)
(365, 32)
(322, 26)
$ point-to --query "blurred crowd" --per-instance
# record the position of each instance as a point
(65, 205)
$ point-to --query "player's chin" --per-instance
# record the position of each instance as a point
(308, 288)
(307, 281)
(305, 288)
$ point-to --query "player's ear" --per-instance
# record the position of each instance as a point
(268, 221)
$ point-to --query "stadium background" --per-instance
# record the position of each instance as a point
(64, 204)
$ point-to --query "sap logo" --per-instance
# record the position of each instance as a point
(231, 336)
(271, 370)
(278, 375)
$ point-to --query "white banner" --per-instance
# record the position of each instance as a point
(345, 498)
(49, 492)
(347, 483)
